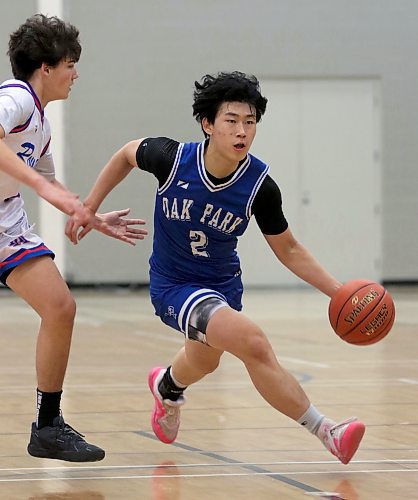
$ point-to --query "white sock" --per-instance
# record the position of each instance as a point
(311, 419)
(180, 386)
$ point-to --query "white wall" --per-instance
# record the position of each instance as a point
(321, 140)
(137, 69)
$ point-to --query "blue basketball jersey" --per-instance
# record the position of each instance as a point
(197, 223)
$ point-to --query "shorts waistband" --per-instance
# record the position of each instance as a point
(12, 197)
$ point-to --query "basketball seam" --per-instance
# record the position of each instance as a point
(381, 335)
(370, 312)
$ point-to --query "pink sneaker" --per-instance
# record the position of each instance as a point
(342, 439)
(165, 418)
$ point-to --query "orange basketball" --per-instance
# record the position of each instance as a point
(361, 312)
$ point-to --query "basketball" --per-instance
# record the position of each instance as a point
(361, 312)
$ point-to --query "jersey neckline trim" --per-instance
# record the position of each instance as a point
(203, 174)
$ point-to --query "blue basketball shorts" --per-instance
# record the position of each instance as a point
(174, 302)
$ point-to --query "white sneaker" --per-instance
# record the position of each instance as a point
(165, 417)
(342, 439)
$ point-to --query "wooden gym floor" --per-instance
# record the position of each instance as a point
(231, 444)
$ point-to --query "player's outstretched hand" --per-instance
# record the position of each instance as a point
(112, 224)
(115, 224)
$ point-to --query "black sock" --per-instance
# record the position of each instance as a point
(47, 407)
(168, 389)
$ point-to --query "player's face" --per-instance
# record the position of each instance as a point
(233, 131)
(60, 79)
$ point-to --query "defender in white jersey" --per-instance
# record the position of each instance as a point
(43, 52)
(207, 193)
(26, 131)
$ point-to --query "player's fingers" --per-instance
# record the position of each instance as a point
(123, 212)
(132, 222)
(125, 239)
(68, 227)
(84, 232)
(136, 236)
(135, 230)
(69, 231)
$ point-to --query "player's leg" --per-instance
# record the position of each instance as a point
(213, 322)
(39, 283)
(192, 362)
(231, 331)
(195, 360)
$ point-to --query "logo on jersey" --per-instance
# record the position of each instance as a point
(216, 217)
(183, 184)
(170, 312)
(177, 210)
(18, 241)
(26, 154)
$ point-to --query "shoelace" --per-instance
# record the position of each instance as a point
(341, 424)
(170, 411)
(67, 429)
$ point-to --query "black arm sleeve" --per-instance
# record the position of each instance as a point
(156, 155)
(267, 208)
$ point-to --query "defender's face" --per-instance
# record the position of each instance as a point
(233, 131)
(60, 79)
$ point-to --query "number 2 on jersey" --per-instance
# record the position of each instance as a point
(198, 243)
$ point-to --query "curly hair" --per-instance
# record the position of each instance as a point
(213, 91)
(41, 39)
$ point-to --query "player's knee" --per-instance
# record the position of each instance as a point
(69, 308)
(256, 347)
(61, 310)
(209, 366)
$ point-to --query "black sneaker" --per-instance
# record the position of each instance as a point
(62, 442)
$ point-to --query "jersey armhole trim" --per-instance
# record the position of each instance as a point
(45, 148)
(248, 210)
(24, 126)
(173, 172)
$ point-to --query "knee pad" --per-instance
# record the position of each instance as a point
(200, 316)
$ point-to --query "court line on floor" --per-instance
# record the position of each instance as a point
(206, 464)
(273, 475)
(253, 468)
(141, 387)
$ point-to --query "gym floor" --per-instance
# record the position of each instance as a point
(231, 444)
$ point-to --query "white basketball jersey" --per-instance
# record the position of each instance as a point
(27, 133)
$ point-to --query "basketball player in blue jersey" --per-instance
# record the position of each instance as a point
(43, 52)
(206, 194)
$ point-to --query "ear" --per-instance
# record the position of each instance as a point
(207, 127)
(45, 68)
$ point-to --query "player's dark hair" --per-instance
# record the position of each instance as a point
(213, 91)
(41, 39)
